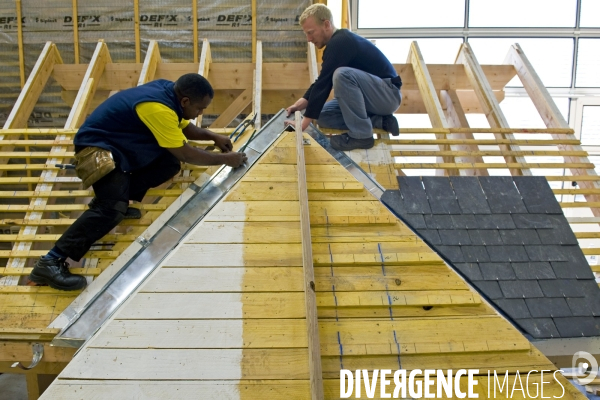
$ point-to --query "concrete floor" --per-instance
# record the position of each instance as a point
(13, 387)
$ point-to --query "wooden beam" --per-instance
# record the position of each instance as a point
(195, 28)
(258, 78)
(20, 43)
(150, 63)
(33, 87)
(551, 116)
(456, 118)
(346, 14)
(254, 41)
(136, 28)
(488, 101)
(75, 32)
(430, 99)
(236, 107)
(310, 298)
(90, 82)
(204, 68)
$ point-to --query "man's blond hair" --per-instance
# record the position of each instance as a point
(319, 11)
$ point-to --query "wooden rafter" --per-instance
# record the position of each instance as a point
(430, 98)
(490, 105)
(456, 118)
(204, 68)
(551, 116)
(150, 63)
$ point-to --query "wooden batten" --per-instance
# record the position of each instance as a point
(204, 68)
(310, 301)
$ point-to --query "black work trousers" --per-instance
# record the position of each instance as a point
(112, 195)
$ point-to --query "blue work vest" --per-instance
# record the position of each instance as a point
(115, 125)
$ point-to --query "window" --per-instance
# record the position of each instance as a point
(522, 13)
(434, 50)
(410, 13)
(590, 13)
(588, 63)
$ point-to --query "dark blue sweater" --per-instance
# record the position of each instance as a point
(115, 125)
(345, 49)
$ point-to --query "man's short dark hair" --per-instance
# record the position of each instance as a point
(193, 86)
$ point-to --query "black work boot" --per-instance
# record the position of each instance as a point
(390, 125)
(56, 274)
(133, 213)
(344, 142)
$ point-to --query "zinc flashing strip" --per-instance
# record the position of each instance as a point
(154, 248)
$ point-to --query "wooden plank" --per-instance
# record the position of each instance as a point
(254, 42)
(150, 63)
(274, 305)
(482, 142)
(195, 29)
(551, 115)
(21, 351)
(313, 70)
(489, 103)
(202, 334)
(199, 364)
(314, 353)
(496, 153)
(204, 68)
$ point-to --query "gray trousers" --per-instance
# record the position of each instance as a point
(361, 101)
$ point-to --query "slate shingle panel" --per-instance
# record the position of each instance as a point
(508, 237)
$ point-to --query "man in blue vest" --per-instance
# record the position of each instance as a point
(146, 129)
(365, 84)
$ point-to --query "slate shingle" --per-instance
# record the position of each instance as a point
(497, 271)
(414, 197)
(431, 236)
(578, 326)
(487, 237)
(545, 253)
(561, 233)
(520, 289)
(454, 237)
(540, 328)
(415, 221)
(582, 307)
(465, 221)
(533, 270)
(537, 194)
(515, 308)
(507, 253)
(440, 195)
(475, 254)
(519, 236)
(452, 253)
(469, 270)
(470, 195)
(570, 270)
(532, 221)
(561, 288)
(438, 221)
(502, 195)
(490, 288)
(496, 221)
(548, 307)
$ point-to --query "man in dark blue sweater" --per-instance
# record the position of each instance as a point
(366, 85)
(146, 129)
